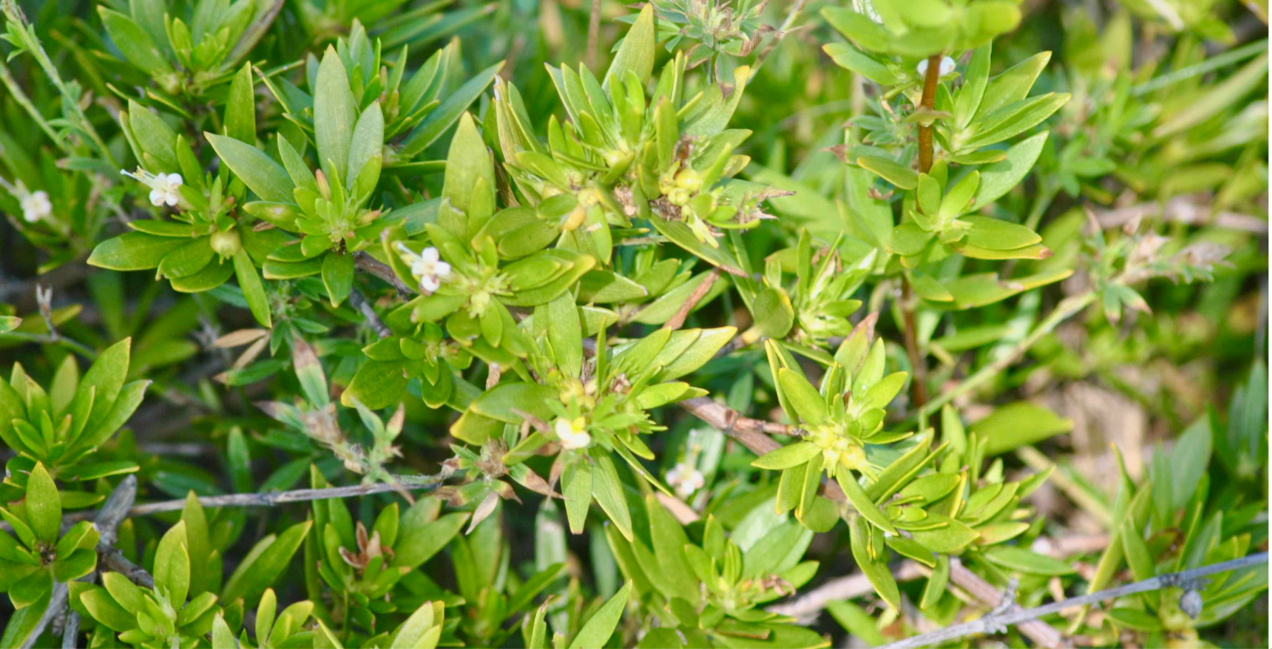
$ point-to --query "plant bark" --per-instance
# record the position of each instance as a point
(926, 154)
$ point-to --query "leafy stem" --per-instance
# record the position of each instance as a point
(908, 302)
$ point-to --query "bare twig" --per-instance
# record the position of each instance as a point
(1189, 210)
(368, 264)
(753, 434)
(806, 607)
(917, 363)
(593, 34)
(274, 498)
(696, 296)
(782, 31)
(992, 623)
(358, 301)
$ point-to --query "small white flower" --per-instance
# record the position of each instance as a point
(164, 188)
(947, 66)
(36, 206)
(427, 267)
(686, 479)
(164, 191)
(572, 434)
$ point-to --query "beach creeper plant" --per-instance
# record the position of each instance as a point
(206, 239)
(627, 156)
(328, 207)
(41, 553)
(417, 107)
(182, 53)
(593, 335)
(959, 165)
(61, 427)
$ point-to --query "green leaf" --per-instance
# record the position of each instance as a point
(598, 629)
(376, 385)
(468, 166)
(576, 487)
(1134, 618)
(944, 534)
(266, 178)
(1017, 424)
(1012, 120)
(253, 289)
(1000, 177)
(890, 170)
(996, 234)
(240, 109)
(366, 152)
(337, 276)
(133, 251)
(135, 44)
(1022, 560)
(43, 505)
(102, 607)
(1189, 461)
(445, 115)
(774, 314)
(608, 491)
(1216, 98)
(802, 396)
(105, 379)
(636, 53)
(669, 541)
(420, 539)
(848, 57)
(1013, 84)
(267, 561)
(172, 565)
(876, 569)
(335, 112)
(866, 507)
(975, 79)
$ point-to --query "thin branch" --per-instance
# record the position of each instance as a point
(917, 361)
(47, 339)
(1041, 633)
(753, 434)
(1189, 210)
(700, 291)
(368, 264)
(593, 34)
(275, 498)
(782, 31)
(989, 624)
(358, 301)
(808, 605)
(928, 103)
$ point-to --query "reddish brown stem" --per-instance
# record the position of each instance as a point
(928, 103)
(917, 363)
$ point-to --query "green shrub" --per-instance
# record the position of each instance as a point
(735, 274)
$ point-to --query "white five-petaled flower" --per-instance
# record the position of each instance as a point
(572, 434)
(427, 267)
(686, 479)
(164, 188)
(947, 66)
(36, 206)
